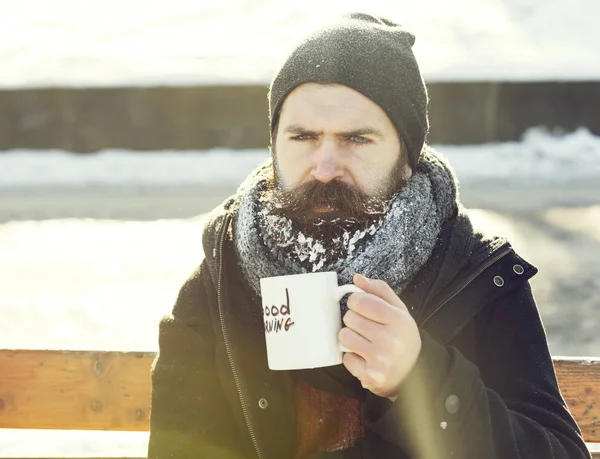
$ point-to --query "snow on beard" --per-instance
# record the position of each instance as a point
(326, 212)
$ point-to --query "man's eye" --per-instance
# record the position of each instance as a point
(359, 140)
(301, 137)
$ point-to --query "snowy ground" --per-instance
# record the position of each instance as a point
(150, 42)
(86, 239)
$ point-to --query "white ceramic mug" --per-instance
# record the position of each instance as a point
(302, 320)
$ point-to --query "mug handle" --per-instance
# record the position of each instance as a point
(340, 292)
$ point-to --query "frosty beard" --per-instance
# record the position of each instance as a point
(319, 223)
(326, 210)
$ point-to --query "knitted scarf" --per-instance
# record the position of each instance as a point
(392, 249)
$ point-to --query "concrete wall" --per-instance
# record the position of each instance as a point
(463, 113)
(154, 118)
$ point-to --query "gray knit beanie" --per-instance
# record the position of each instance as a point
(371, 55)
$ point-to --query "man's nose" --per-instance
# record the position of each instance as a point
(327, 166)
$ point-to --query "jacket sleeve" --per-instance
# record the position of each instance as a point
(189, 417)
(504, 404)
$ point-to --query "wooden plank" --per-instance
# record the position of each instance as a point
(82, 390)
(42, 389)
(579, 381)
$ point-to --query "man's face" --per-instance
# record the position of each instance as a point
(332, 141)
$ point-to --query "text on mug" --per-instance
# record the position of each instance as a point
(275, 319)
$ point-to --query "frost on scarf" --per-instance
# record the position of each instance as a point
(331, 240)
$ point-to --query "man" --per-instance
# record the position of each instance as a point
(449, 357)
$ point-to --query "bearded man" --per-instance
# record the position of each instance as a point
(448, 354)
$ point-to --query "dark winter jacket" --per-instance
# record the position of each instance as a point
(483, 387)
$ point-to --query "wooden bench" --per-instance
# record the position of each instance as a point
(76, 390)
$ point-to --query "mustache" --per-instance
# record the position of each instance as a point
(341, 198)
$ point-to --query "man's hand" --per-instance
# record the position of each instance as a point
(382, 335)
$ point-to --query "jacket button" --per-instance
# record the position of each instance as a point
(498, 281)
(518, 269)
(452, 404)
(262, 403)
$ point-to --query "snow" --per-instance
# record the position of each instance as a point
(541, 156)
(25, 443)
(35, 168)
(152, 42)
(82, 283)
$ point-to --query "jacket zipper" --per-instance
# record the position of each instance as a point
(228, 348)
(474, 276)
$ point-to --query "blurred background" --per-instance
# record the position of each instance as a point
(123, 123)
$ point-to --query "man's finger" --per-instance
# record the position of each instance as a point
(356, 365)
(373, 308)
(378, 288)
(361, 325)
(355, 342)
